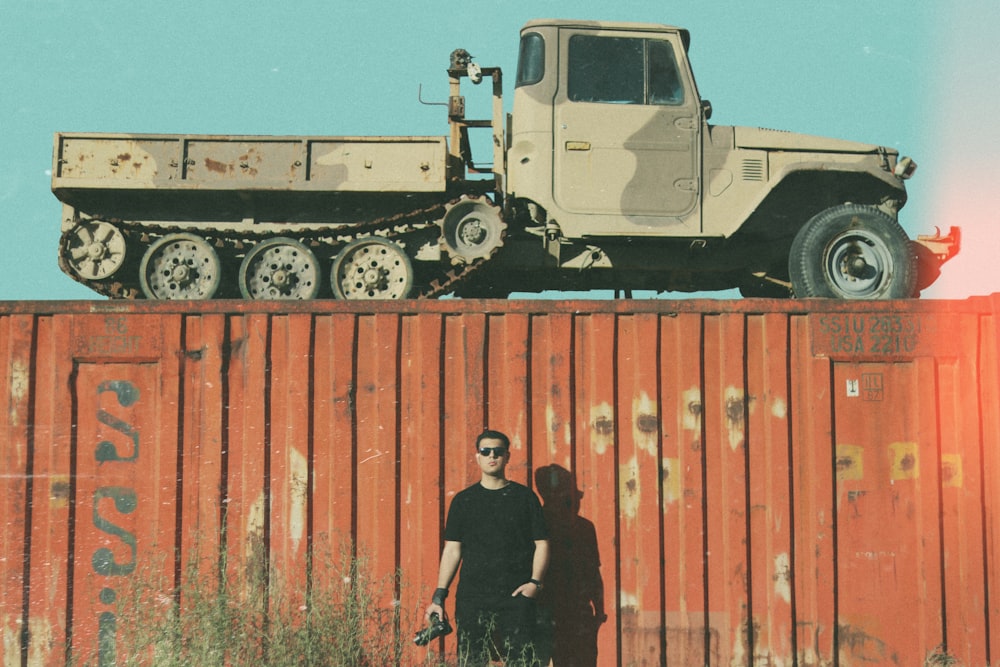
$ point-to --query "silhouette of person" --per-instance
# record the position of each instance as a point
(573, 598)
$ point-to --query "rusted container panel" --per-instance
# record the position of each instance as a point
(752, 482)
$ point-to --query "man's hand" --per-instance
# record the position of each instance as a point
(528, 590)
(437, 604)
(433, 608)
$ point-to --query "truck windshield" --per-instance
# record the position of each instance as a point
(530, 60)
(623, 70)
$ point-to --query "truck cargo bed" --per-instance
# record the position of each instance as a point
(86, 163)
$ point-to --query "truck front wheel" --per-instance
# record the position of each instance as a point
(852, 252)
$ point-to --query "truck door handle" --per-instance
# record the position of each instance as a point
(578, 145)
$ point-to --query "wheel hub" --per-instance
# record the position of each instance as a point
(279, 268)
(373, 278)
(473, 233)
(280, 278)
(180, 273)
(858, 264)
(96, 251)
(857, 267)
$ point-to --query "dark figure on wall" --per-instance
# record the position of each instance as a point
(572, 605)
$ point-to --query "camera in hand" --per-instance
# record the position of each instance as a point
(437, 628)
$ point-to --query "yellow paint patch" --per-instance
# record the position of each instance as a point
(905, 460)
(783, 577)
(298, 469)
(691, 409)
(59, 491)
(645, 423)
(19, 383)
(671, 481)
(42, 638)
(779, 407)
(602, 427)
(951, 471)
(556, 426)
(19, 380)
(255, 517)
(735, 409)
(11, 639)
(628, 600)
(850, 462)
(628, 488)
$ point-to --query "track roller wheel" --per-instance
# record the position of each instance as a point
(180, 266)
(372, 268)
(279, 269)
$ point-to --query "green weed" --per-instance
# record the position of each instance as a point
(253, 614)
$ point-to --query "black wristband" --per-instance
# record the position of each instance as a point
(536, 582)
(439, 596)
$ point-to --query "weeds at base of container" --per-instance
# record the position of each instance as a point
(260, 617)
(491, 653)
(941, 658)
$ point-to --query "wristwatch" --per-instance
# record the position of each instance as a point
(536, 582)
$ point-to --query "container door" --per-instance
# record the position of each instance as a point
(626, 126)
(888, 518)
(123, 458)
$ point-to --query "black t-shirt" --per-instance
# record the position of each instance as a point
(497, 529)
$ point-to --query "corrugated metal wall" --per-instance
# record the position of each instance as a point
(732, 483)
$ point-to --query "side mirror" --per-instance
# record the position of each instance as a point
(706, 109)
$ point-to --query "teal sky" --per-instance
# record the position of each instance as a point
(920, 76)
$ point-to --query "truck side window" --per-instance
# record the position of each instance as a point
(622, 70)
(530, 60)
(605, 69)
(664, 81)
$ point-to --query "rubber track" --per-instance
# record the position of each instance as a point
(394, 226)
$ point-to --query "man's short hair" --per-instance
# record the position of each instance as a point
(489, 434)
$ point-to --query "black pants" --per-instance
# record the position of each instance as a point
(497, 627)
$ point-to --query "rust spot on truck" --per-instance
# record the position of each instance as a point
(124, 157)
(216, 166)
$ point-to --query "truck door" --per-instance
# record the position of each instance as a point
(626, 129)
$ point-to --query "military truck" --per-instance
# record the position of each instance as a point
(606, 175)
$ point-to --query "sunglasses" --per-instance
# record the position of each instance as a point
(498, 452)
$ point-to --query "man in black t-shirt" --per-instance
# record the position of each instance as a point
(496, 531)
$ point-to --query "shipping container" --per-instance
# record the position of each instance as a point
(748, 482)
